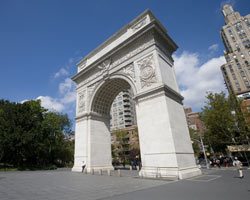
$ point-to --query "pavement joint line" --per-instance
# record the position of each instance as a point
(143, 189)
(215, 177)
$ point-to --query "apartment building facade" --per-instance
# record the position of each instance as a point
(235, 35)
(122, 111)
(193, 120)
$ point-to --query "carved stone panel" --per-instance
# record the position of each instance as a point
(147, 71)
(129, 71)
(82, 101)
(91, 89)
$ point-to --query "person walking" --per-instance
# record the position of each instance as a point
(238, 164)
(83, 165)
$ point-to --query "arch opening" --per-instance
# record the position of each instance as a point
(105, 95)
(123, 137)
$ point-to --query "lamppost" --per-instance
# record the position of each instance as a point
(203, 148)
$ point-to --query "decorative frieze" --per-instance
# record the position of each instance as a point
(147, 71)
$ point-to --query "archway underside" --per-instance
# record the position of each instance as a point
(106, 94)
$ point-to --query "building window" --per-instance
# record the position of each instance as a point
(242, 73)
(230, 67)
(228, 58)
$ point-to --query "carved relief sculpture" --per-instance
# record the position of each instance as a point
(147, 71)
(105, 65)
(129, 71)
(90, 91)
(81, 102)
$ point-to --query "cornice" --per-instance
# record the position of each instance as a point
(162, 89)
(129, 30)
(153, 25)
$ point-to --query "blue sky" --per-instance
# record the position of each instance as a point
(42, 40)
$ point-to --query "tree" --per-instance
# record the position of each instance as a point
(121, 147)
(224, 121)
(194, 135)
(30, 136)
(135, 146)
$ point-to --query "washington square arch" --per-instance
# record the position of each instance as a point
(139, 57)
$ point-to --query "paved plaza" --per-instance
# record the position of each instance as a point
(63, 184)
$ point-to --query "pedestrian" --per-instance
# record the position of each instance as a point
(238, 164)
(83, 165)
(132, 164)
(210, 164)
(218, 162)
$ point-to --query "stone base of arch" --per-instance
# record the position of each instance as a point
(89, 169)
(172, 173)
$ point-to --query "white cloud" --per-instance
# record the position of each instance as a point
(23, 101)
(64, 101)
(196, 80)
(213, 47)
(61, 72)
(66, 86)
(67, 89)
(51, 103)
(69, 97)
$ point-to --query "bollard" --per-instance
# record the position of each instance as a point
(130, 168)
(118, 172)
(100, 172)
(109, 172)
(92, 172)
(85, 170)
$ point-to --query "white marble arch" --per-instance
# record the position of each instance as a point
(139, 56)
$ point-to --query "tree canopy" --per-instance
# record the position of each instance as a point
(31, 136)
(225, 120)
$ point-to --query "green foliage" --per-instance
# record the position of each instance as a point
(122, 145)
(134, 147)
(30, 136)
(195, 141)
(224, 121)
(124, 151)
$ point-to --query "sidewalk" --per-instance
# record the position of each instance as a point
(63, 184)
